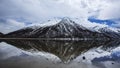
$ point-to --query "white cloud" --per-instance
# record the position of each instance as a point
(37, 10)
(15, 23)
(10, 25)
(111, 11)
(116, 24)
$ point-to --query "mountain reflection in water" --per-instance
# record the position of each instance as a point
(66, 51)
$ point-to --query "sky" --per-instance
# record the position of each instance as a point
(16, 14)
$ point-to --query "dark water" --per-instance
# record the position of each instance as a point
(59, 54)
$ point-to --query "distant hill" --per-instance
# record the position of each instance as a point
(1, 34)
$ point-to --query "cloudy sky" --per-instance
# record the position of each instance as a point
(16, 14)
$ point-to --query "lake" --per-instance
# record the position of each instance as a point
(23, 53)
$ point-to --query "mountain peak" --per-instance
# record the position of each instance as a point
(67, 20)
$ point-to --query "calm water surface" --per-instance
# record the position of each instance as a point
(59, 54)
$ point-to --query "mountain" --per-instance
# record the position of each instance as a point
(66, 28)
(108, 31)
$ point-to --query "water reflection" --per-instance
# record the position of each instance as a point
(66, 51)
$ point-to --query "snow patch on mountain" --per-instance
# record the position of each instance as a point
(49, 22)
(105, 28)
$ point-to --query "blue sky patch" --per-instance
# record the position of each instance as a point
(107, 22)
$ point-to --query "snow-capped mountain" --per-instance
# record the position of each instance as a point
(109, 31)
(112, 32)
(64, 28)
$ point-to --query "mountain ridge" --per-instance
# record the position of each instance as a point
(66, 28)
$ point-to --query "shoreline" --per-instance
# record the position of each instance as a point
(57, 38)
